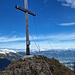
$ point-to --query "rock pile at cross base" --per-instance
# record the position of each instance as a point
(37, 65)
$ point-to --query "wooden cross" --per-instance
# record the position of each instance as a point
(27, 32)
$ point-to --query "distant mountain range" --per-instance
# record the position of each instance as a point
(6, 57)
(6, 51)
(9, 54)
(64, 56)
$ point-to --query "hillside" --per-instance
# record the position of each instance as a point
(37, 65)
(66, 57)
(9, 54)
(4, 63)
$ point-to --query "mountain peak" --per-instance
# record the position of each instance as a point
(4, 51)
(37, 65)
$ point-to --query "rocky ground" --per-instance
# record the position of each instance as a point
(37, 65)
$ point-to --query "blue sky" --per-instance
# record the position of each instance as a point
(53, 26)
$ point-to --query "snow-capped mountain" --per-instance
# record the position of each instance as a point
(9, 54)
(7, 51)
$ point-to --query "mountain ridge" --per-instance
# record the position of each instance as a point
(37, 65)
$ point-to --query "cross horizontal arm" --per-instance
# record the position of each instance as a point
(25, 10)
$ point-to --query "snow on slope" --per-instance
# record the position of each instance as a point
(4, 51)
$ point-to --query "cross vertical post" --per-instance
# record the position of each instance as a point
(27, 31)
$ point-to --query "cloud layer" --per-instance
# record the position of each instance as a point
(68, 3)
(68, 37)
(12, 39)
(67, 24)
(56, 41)
(45, 1)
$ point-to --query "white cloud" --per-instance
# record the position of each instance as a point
(42, 45)
(54, 40)
(7, 39)
(45, 1)
(63, 37)
(51, 45)
(67, 24)
(68, 3)
(15, 38)
(57, 37)
(12, 45)
(13, 32)
(40, 38)
(57, 41)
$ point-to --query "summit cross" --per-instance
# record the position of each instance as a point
(25, 9)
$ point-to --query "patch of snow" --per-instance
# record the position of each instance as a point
(4, 51)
